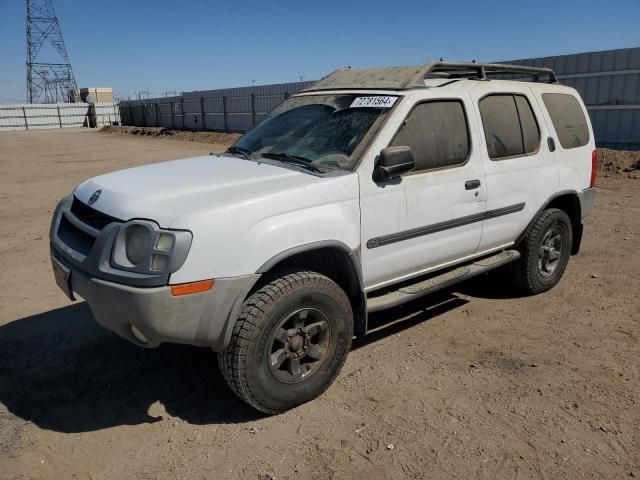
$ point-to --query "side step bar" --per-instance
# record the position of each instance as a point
(411, 292)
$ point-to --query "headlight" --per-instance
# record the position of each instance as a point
(136, 244)
(141, 246)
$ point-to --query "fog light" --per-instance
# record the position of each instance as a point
(141, 337)
(159, 262)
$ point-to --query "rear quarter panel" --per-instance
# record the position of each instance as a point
(574, 164)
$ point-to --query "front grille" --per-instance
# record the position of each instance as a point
(75, 238)
(78, 238)
(90, 216)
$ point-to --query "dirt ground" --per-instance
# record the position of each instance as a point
(472, 383)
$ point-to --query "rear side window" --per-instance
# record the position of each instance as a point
(568, 119)
(437, 133)
(510, 126)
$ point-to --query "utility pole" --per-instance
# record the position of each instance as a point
(50, 77)
(142, 93)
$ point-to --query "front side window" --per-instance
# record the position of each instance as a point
(437, 133)
(510, 126)
(568, 119)
(323, 130)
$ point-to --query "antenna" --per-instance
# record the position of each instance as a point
(49, 75)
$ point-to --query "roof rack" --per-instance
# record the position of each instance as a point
(401, 78)
(482, 70)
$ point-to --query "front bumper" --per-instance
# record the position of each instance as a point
(201, 319)
(122, 300)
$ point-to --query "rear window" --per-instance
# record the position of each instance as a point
(510, 126)
(568, 119)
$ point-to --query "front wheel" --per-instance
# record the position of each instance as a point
(289, 343)
(545, 250)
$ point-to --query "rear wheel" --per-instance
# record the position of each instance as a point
(289, 343)
(545, 252)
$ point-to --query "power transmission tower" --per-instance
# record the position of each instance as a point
(49, 75)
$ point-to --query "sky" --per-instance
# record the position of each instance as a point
(182, 45)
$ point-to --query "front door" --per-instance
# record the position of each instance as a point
(439, 207)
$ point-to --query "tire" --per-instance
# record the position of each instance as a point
(290, 340)
(544, 260)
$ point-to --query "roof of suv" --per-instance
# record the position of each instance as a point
(402, 78)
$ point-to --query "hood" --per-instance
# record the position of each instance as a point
(165, 191)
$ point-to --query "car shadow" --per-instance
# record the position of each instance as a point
(63, 372)
(493, 285)
(395, 320)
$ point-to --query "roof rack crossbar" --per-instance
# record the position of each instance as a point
(483, 70)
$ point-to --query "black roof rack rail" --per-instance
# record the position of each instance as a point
(482, 70)
(402, 78)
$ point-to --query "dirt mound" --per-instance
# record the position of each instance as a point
(203, 137)
(620, 162)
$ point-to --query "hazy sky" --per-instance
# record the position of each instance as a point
(186, 45)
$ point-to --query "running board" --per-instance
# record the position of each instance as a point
(411, 292)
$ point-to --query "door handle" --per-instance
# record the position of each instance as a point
(471, 184)
(551, 144)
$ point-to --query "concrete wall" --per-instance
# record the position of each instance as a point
(609, 82)
(100, 94)
(57, 115)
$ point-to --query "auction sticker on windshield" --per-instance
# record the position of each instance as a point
(374, 102)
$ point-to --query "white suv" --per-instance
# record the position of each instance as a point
(370, 189)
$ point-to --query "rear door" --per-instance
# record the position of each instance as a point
(520, 169)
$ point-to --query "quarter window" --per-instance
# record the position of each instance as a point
(510, 126)
(568, 119)
(437, 133)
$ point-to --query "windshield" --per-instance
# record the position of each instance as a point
(322, 130)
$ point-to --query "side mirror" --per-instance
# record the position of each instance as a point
(393, 162)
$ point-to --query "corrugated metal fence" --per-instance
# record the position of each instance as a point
(57, 115)
(609, 82)
(227, 110)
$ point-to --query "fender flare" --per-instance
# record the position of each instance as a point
(273, 261)
(543, 207)
(355, 264)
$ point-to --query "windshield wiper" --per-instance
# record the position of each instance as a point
(240, 152)
(293, 159)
